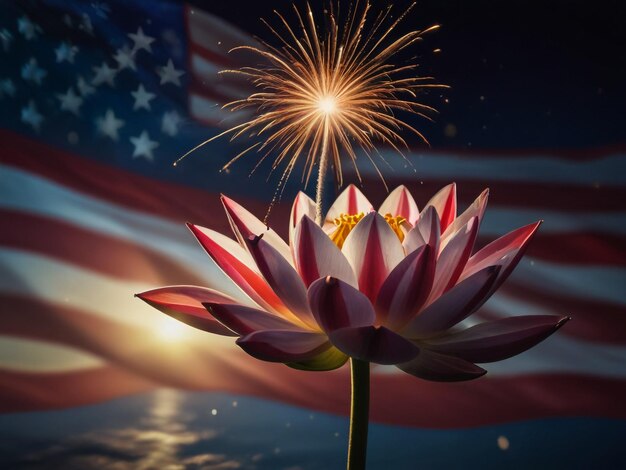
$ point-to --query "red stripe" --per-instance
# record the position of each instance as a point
(92, 250)
(396, 399)
(211, 56)
(22, 391)
(592, 320)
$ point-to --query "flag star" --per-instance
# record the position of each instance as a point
(144, 146)
(142, 98)
(170, 123)
(27, 28)
(30, 115)
(169, 74)
(141, 41)
(108, 125)
(65, 52)
(125, 58)
(7, 87)
(6, 38)
(84, 88)
(104, 74)
(70, 101)
(85, 24)
(31, 72)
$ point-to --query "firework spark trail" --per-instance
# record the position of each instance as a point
(324, 92)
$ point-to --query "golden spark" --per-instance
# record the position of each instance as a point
(321, 93)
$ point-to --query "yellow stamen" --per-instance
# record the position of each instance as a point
(346, 222)
(395, 222)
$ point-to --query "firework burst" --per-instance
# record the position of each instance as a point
(326, 91)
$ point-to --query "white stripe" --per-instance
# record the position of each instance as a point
(25, 355)
(604, 283)
(200, 107)
(30, 193)
(499, 220)
(608, 170)
(207, 74)
(24, 191)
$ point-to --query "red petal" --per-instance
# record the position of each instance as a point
(400, 202)
(302, 205)
(317, 256)
(335, 304)
(184, 303)
(445, 204)
(373, 250)
(230, 259)
(351, 202)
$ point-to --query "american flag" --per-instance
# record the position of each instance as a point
(99, 98)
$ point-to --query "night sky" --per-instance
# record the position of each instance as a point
(524, 74)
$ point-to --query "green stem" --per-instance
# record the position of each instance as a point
(359, 414)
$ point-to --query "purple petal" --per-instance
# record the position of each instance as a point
(373, 250)
(336, 304)
(184, 303)
(453, 306)
(282, 277)
(244, 320)
(406, 288)
(284, 345)
(316, 256)
(429, 365)
(374, 344)
(499, 339)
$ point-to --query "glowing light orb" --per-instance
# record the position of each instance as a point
(327, 105)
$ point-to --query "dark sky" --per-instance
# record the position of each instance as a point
(524, 74)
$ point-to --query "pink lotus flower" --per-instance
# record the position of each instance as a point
(388, 287)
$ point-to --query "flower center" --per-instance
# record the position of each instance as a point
(346, 222)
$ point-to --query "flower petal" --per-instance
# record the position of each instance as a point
(373, 250)
(506, 251)
(184, 303)
(239, 266)
(351, 202)
(453, 306)
(437, 367)
(328, 359)
(406, 288)
(400, 202)
(427, 230)
(316, 256)
(244, 225)
(302, 205)
(453, 258)
(445, 204)
(476, 209)
(336, 304)
(499, 339)
(284, 345)
(374, 344)
(244, 320)
(283, 279)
